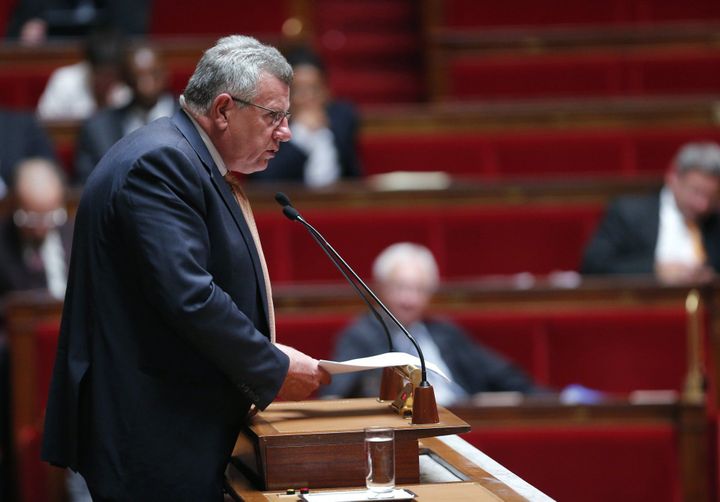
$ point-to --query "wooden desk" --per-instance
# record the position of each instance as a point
(484, 479)
(319, 443)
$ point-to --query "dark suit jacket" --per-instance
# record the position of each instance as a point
(164, 339)
(625, 240)
(289, 162)
(96, 136)
(474, 367)
(15, 274)
(21, 136)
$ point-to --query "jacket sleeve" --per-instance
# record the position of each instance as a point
(616, 248)
(478, 368)
(161, 208)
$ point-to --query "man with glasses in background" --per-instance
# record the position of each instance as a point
(168, 340)
(35, 238)
(673, 234)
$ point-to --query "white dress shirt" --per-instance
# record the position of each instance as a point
(322, 166)
(674, 243)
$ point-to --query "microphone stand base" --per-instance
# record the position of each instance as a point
(390, 385)
(424, 406)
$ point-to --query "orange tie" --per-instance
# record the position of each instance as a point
(244, 204)
(697, 241)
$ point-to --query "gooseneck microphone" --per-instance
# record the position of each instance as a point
(293, 214)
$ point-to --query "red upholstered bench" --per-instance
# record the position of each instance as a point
(540, 154)
(613, 350)
(467, 241)
(589, 463)
(35, 480)
(485, 76)
(312, 334)
(471, 13)
(172, 18)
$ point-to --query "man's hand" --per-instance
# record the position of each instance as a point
(304, 375)
(678, 273)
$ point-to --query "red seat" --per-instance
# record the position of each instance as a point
(531, 154)
(589, 463)
(34, 475)
(471, 13)
(466, 241)
(611, 350)
(226, 16)
(581, 74)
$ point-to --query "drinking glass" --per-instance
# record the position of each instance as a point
(380, 455)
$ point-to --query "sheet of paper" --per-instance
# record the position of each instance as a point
(387, 359)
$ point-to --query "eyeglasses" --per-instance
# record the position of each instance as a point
(33, 219)
(276, 116)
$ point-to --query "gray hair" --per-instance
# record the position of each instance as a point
(403, 251)
(703, 157)
(233, 65)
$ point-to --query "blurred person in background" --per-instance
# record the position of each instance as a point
(76, 91)
(407, 276)
(35, 238)
(34, 22)
(323, 148)
(674, 234)
(35, 243)
(146, 75)
(21, 137)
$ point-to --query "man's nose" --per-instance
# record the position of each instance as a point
(282, 132)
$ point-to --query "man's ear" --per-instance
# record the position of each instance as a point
(219, 110)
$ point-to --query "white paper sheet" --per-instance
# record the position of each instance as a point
(388, 359)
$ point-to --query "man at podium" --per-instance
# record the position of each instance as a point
(167, 337)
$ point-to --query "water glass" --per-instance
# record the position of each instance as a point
(380, 455)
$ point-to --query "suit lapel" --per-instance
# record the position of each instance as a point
(187, 128)
(651, 221)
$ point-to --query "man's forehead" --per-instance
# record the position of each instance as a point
(271, 85)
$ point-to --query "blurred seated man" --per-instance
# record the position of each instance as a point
(35, 238)
(674, 234)
(323, 147)
(21, 137)
(145, 74)
(407, 275)
(76, 91)
(34, 253)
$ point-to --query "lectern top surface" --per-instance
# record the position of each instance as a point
(345, 415)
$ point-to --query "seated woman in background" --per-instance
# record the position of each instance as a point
(323, 146)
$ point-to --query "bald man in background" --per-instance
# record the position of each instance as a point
(35, 238)
(35, 241)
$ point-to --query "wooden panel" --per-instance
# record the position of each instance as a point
(320, 443)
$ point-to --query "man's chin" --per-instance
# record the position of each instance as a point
(254, 168)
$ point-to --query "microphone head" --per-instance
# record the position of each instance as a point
(282, 199)
(291, 213)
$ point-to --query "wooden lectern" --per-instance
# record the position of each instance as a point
(320, 444)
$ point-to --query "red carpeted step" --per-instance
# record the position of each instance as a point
(471, 13)
(364, 15)
(372, 49)
(377, 86)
